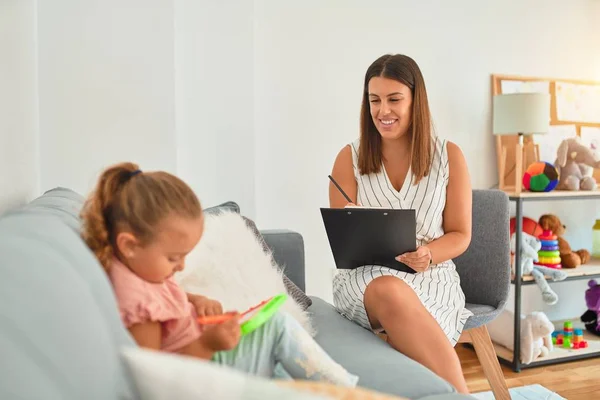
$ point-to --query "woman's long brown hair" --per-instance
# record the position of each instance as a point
(405, 70)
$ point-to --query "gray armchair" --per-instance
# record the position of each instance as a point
(484, 271)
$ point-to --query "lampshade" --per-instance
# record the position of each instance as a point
(526, 113)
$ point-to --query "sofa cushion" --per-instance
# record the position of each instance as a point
(167, 376)
(60, 326)
(361, 352)
(293, 290)
(230, 206)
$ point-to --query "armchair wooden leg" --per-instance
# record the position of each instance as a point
(480, 338)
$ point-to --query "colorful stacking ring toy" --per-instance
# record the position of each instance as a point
(549, 255)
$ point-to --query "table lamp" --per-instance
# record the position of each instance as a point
(519, 114)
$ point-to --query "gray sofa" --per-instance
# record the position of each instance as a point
(60, 329)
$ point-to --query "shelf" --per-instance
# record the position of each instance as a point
(558, 354)
(586, 271)
(554, 195)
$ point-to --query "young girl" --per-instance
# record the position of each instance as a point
(141, 226)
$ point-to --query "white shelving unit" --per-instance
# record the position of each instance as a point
(590, 270)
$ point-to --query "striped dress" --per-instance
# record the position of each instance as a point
(438, 287)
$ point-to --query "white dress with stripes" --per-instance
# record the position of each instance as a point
(438, 287)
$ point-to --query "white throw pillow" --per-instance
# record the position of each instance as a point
(229, 265)
(168, 376)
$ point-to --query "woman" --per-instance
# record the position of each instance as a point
(398, 163)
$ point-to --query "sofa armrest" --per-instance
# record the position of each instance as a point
(287, 248)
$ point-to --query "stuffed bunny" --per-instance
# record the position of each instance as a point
(535, 335)
(530, 246)
(575, 164)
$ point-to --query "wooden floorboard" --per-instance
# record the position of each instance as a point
(577, 380)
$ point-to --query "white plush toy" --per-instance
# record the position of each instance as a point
(530, 246)
(536, 334)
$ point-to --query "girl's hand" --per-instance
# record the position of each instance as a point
(204, 306)
(418, 260)
(224, 336)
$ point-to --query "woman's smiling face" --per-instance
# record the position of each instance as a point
(390, 105)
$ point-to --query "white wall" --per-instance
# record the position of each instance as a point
(310, 59)
(237, 96)
(18, 103)
(106, 88)
(214, 100)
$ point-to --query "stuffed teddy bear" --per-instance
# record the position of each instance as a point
(592, 301)
(536, 334)
(530, 246)
(575, 164)
(568, 257)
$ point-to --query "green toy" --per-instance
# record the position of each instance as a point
(252, 318)
(256, 316)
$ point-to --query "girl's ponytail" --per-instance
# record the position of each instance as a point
(98, 211)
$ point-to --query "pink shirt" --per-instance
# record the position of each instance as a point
(141, 301)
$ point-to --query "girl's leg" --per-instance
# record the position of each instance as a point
(392, 305)
(283, 340)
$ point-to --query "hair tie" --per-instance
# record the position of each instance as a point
(134, 173)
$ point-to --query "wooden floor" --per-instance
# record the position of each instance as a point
(578, 380)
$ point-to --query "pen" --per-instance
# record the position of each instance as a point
(339, 188)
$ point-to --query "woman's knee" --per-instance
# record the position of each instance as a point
(388, 294)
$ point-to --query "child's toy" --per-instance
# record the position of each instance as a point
(529, 226)
(529, 254)
(592, 301)
(578, 342)
(548, 255)
(568, 257)
(252, 318)
(536, 330)
(575, 163)
(540, 176)
(569, 338)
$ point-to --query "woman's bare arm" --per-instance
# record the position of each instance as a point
(343, 173)
(457, 213)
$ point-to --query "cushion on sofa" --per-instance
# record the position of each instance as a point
(293, 290)
(163, 376)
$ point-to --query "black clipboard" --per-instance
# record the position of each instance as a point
(370, 236)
